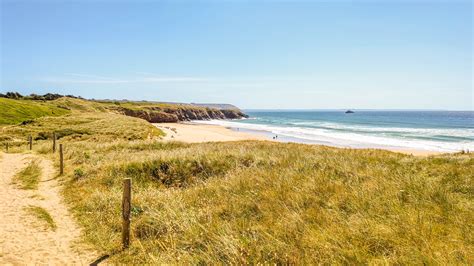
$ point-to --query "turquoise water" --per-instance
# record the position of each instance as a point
(426, 130)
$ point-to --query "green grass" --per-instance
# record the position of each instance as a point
(108, 106)
(150, 111)
(42, 215)
(29, 177)
(77, 111)
(80, 105)
(17, 111)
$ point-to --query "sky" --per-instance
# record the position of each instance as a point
(254, 54)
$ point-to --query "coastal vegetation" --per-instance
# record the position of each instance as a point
(250, 202)
(42, 215)
(254, 202)
(29, 177)
(20, 109)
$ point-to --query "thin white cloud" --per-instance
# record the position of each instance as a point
(93, 79)
(173, 79)
(151, 78)
(88, 76)
(76, 81)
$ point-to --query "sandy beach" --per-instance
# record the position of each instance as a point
(196, 133)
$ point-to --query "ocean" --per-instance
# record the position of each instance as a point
(445, 131)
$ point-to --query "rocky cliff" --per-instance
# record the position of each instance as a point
(154, 114)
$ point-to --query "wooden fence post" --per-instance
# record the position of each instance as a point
(30, 139)
(61, 163)
(126, 206)
(7, 146)
(54, 142)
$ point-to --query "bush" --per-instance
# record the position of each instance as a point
(26, 122)
(42, 136)
(67, 132)
(78, 173)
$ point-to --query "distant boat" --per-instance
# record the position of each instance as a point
(349, 112)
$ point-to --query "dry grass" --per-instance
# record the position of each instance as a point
(256, 202)
(77, 127)
(29, 177)
(42, 215)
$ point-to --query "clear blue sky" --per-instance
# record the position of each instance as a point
(255, 54)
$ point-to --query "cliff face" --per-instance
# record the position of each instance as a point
(151, 116)
(167, 115)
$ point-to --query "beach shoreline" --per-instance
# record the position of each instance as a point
(196, 133)
(190, 132)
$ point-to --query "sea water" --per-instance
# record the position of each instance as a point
(445, 131)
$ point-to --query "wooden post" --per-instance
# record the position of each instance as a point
(126, 206)
(7, 146)
(61, 163)
(54, 142)
(30, 139)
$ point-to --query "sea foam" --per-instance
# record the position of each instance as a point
(356, 136)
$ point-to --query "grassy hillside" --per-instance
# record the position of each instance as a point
(255, 202)
(165, 112)
(81, 127)
(17, 111)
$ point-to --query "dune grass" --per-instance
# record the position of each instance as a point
(43, 215)
(80, 127)
(258, 202)
(17, 111)
(107, 105)
(29, 177)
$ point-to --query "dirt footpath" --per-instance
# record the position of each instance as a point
(23, 238)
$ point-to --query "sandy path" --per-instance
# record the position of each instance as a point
(24, 239)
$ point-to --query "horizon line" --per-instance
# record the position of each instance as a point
(267, 109)
(352, 109)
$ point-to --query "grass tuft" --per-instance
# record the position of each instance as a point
(42, 215)
(29, 177)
